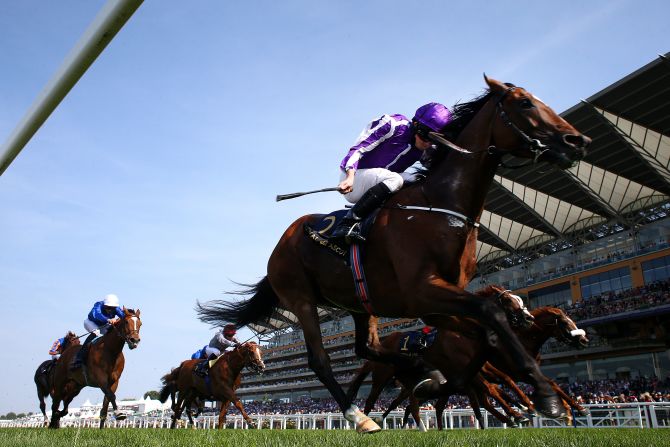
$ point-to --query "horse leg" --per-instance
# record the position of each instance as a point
(476, 408)
(109, 394)
(319, 362)
(55, 414)
(484, 390)
(569, 400)
(439, 410)
(238, 405)
(177, 410)
(378, 385)
(414, 408)
(222, 413)
(485, 310)
(103, 412)
(404, 394)
(498, 376)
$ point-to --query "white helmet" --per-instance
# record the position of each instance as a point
(111, 300)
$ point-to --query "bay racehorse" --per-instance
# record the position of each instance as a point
(549, 322)
(459, 352)
(223, 379)
(44, 375)
(421, 250)
(103, 368)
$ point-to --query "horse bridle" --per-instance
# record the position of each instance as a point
(514, 318)
(534, 145)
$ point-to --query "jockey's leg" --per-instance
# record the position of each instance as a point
(82, 355)
(385, 183)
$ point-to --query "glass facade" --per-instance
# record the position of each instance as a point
(656, 269)
(558, 294)
(610, 281)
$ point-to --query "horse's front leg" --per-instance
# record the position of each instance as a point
(238, 405)
(110, 395)
(103, 411)
(225, 404)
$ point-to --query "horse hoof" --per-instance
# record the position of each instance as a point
(367, 426)
(584, 412)
(119, 416)
(550, 407)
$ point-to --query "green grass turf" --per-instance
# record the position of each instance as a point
(72, 437)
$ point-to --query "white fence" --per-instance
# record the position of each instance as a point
(638, 415)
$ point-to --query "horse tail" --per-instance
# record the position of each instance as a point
(363, 372)
(169, 380)
(258, 308)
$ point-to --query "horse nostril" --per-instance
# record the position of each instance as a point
(577, 141)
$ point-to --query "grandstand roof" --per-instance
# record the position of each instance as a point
(624, 178)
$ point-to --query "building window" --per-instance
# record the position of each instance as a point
(610, 281)
(558, 294)
(656, 270)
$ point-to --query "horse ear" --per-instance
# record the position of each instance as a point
(137, 313)
(494, 85)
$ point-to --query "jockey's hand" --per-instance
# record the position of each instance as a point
(347, 185)
(113, 320)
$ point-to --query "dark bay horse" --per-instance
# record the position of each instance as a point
(103, 368)
(459, 352)
(223, 379)
(421, 251)
(549, 322)
(44, 375)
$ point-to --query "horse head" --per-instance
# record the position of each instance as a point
(516, 311)
(560, 326)
(528, 128)
(129, 327)
(251, 352)
(70, 339)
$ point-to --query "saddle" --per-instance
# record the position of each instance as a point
(320, 231)
(415, 342)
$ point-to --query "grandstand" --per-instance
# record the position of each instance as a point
(593, 239)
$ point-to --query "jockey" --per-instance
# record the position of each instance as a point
(57, 349)
(221, 341)
(103, 314)
(374, 167)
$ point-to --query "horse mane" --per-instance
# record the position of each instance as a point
(461, 115)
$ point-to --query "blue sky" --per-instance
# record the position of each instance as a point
(155, 178)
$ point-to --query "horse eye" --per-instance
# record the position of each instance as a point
(526, 103)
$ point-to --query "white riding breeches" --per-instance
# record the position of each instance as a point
(92, 326)
(365, 179)
(209, 350)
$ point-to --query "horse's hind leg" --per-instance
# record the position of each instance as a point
(319, 362)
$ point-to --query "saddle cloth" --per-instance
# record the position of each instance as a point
(416, 341)
(320, 231)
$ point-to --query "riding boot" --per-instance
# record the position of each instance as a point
(349, 227)
(202, 368)
(82, 354)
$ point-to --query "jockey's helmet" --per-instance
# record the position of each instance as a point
(433, 116)
(229, 329)
(111, 300)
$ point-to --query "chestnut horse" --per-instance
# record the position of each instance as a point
(103, 368)
(44, 375)
(224, 378)
(421, 250)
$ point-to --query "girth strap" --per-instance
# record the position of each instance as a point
(458, 215)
